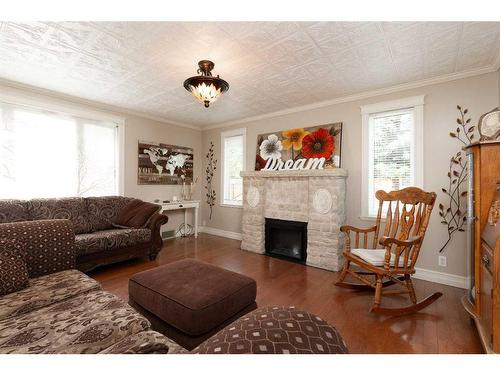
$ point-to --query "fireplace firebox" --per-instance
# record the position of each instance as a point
(286, 239)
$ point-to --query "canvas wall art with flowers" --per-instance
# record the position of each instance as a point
(324, 141)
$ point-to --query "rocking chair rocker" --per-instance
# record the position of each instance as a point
(406, 220)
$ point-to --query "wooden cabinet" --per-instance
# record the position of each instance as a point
(486, 293)
(483, 301)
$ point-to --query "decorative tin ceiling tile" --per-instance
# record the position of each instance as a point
(270, 66)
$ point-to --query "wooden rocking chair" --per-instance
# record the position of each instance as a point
(406, 219)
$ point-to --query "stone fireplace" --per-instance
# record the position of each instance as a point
(313, 197)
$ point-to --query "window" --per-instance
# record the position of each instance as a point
(392, 149)
(233, 162)
(46, 154)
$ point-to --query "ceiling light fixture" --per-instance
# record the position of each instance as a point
(206, 88)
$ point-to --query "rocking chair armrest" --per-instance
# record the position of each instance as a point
(387, 241)
(347, 228)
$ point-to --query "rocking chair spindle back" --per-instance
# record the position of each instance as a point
(407, 213)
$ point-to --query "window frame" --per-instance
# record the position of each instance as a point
(416, 103)
(224, 135)
(66, 108)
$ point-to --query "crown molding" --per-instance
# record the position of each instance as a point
(344, 99)
(115, 110)
(363, 95)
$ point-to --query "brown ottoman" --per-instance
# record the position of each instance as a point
(276, 330)
(190, 301)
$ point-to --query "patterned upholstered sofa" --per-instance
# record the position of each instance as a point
(97, 241)
(63, 310)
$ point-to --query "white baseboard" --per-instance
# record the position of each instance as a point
(442, 278)
(421, 273)
(220, 232)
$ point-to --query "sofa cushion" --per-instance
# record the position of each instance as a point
(49, 244)
(377, 257)
(110, 239)
(192, 296)
(13, 270)
(104, 210)
(46, 290)
(73, 209)
(145, 342)
(88, 323)
(12, 246)
(276, 330)
(13, 210)
(136, 214)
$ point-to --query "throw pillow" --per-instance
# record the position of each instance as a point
(9, 247)
(13, 271)
(136, 214)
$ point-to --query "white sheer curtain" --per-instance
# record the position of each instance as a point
(392, 154)
(45, 154)
(233, 165)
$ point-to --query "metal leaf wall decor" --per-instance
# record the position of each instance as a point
(453, 210)
(209, 175)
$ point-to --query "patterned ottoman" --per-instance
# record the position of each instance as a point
(276, 330)
(189, 301)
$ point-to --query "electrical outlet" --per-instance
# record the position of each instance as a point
(442, 261)
(204, 223)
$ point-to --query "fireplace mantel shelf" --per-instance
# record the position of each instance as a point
(334, 172)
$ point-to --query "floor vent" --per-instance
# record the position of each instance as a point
(167, 234)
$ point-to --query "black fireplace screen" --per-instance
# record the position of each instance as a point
(286, 239)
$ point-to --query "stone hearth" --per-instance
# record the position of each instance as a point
(314, 196)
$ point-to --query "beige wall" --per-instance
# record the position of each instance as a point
(135, 128)
(479, 94)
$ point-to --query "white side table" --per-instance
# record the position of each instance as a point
(184, 205)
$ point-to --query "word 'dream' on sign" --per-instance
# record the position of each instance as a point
(290, 165)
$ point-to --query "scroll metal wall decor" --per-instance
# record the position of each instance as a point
(453, 210)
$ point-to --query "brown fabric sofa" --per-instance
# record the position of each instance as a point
(97, 241)
(63, 310)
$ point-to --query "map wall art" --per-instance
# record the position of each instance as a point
(324, 141)
(162, 164)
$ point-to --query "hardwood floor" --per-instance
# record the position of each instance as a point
(443, 327)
